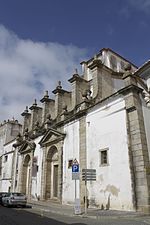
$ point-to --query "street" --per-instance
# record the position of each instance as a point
(21, 216)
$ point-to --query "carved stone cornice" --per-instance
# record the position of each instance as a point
(76, 77)
(46, 98)
(96, 63)
(59, 90)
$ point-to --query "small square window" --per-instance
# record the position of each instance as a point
(104, 157)
(70, 162)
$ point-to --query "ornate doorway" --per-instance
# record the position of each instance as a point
(26, 175)
(52, 173)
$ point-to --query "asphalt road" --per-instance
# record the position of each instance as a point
(29, 216)
(18, 216)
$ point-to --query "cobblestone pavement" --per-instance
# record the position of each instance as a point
(65, 213)
(88, 220)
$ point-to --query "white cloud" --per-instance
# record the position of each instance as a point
(142, 5)
(29, 68)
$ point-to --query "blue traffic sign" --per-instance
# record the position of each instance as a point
(75, 168)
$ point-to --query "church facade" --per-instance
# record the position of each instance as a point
(103, 123)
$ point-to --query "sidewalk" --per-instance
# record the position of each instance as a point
(93, 213)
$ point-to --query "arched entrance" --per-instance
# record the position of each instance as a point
(26, 175)
(52, 173)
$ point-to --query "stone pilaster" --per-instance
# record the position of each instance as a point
(96, 70)
(82, 154)
(138, 150)
(79, 86)
(101, 80)
(27, 118)
(30, 175)
(13, 171)
(60, 171)
(36, 115)
(62, 97)
(22, 176)
(48, 107)
(43, 176)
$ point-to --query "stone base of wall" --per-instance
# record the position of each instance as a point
(144, 209)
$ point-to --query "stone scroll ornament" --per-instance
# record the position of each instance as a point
(146, 96)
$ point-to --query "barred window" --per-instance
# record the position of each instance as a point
(104, 157)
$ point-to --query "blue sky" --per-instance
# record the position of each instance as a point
(43, 41)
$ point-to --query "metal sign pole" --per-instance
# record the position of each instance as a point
(88, 175)
(75, 189)
(85, 197)
(76, 176)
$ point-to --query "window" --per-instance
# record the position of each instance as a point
(104, 157)
(70, 162)
(5, 158)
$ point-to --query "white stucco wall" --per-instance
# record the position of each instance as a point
(36, 181)
(6, 184)
(106, 128)
(7, 167)
(70, 151)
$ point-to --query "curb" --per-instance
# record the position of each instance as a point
(43, 212)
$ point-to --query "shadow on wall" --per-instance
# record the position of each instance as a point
(112, 190)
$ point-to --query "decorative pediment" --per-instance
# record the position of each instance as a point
(27, 146)
(52, 136)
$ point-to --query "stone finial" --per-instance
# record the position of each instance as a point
(35, 102)
(76, 71)
(59, 85)
(46, 94)
(26, 110)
